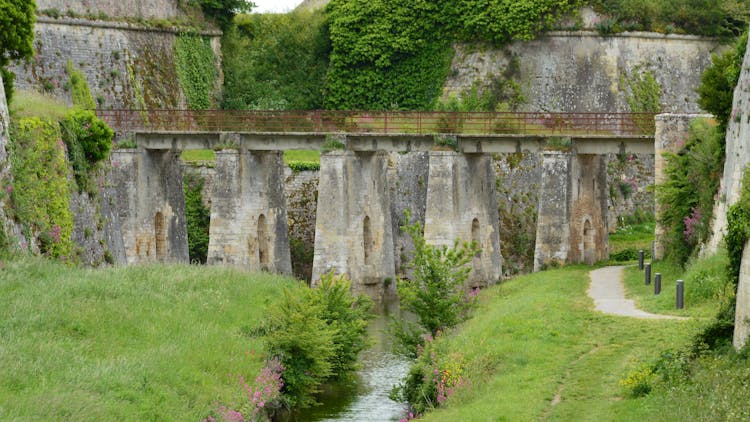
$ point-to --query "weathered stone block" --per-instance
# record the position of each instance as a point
(151, 205)
(248, 213)
(462, 205)
(742, 312)
(353, 231)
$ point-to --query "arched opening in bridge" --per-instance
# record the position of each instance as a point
(160, 236)
(262, 243)
(367, 240)
(588, 243)
(475, 237)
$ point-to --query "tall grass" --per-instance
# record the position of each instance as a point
(34, 104)
(137, 343)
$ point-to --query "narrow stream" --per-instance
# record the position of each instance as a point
(366, 397)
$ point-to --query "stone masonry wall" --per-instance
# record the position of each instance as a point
(126, 66)
(149, 9)
(585, 72)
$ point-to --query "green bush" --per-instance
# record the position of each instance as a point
(716, 91)
(198, 218)
(436, 293)
(317, 335)
(298, 166)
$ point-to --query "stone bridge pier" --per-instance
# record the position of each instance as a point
(572, 224)
(353, 232)
(248, 212)
(461, 204)
(152, 210)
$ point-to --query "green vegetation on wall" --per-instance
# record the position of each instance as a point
(196, 69)
(40, 192)
(275, 61)
(88, 140)
(396, 54)
(79, 88)
(693, 177)
(222, 11)
(16, 36)
(642, 91)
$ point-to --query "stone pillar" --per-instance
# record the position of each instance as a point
(462, 204)
(572, 224)
(353, 233)
(151, 205)
(248, 212)
(742, 311)
(671, 134)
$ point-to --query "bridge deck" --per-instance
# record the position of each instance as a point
(392, 142)
(588, 133)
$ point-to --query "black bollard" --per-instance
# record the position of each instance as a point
(680, 294)
(657, 283)
(648, 274)
(640, 260)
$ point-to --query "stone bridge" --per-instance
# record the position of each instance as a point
(353, 233)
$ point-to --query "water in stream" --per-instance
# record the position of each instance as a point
(366, 397)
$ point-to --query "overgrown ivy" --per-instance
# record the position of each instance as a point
(196, 69)
(79, 88)
(40, 192)
(397, 54)
(716, 91)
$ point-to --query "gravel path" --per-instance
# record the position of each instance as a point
(609, 295)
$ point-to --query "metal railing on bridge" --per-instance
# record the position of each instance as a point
(381, 122)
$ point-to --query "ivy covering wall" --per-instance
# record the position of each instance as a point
(196, 69)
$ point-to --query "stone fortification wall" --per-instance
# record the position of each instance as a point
(126, 66)
(737, 155)
(585, 72)
(147, 9)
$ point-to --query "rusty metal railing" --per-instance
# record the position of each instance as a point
(382, 122)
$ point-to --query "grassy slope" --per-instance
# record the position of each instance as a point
(537, 336)
(137, 343)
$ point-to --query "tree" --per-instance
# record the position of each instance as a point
(223, 11)
(716, 90)
(16, 36)
(436, 293)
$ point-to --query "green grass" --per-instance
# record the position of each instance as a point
(137, 343)
(537, 336)
(193, 155)
(34, 104)
(310, 156)
(704, 280)
(634, 236)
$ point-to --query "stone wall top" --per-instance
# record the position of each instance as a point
(122, 25)
(149, 9)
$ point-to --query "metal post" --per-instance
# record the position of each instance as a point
(657, 283)
(640, 260)
(648, 274)
(680, 294)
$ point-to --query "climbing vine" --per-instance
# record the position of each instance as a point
(40, 192)
(196, 70)
(79, 88)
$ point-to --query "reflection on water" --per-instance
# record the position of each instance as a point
(366, 397)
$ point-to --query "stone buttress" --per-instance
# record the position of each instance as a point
(462, 205)
(353, 232)
(248, 213)
(572, 217)
(151, 205)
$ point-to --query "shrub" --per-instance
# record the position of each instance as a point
(79, 88)
(16, 37)
(93, 134)
(436, 293)
(316, 334)
(716, 90)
